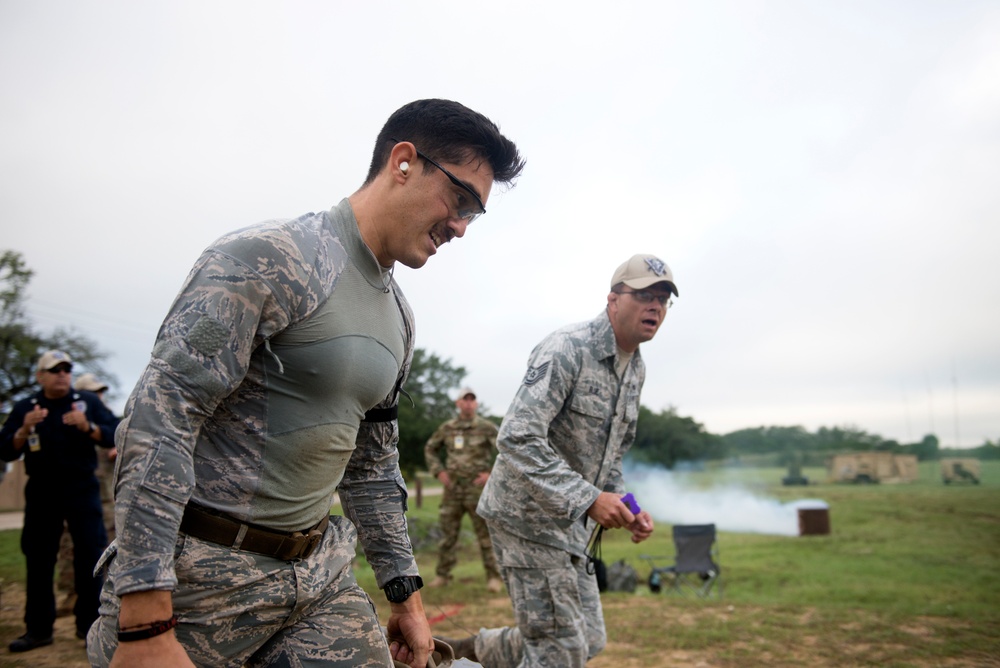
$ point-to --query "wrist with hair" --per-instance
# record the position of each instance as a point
(145, 607)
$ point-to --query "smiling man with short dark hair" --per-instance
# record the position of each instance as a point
(273, 384)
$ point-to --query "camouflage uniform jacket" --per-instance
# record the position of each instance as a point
(464, 448)
(253, 400)
(563, 438)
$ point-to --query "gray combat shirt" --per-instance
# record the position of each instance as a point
(283, 336)
(563, 438)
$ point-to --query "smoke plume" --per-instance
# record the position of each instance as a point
(670, 497)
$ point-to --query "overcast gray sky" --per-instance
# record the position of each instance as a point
(822, 178)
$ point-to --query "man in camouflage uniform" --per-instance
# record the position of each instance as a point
(559, 474)
(460, 454)
(273, 383)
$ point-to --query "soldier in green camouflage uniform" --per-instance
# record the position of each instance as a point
(460, 454)
(559, 474)
(272, 384)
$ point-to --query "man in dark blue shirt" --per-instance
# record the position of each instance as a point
(55, 430)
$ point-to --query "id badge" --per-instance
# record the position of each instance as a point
(34, 443)
(459, 442)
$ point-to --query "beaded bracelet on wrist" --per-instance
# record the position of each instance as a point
(152, 630)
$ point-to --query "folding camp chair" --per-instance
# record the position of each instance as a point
(695, 570)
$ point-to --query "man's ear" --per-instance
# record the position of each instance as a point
(401, 160)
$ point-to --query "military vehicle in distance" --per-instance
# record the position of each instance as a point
(872, 467)
(960, 469)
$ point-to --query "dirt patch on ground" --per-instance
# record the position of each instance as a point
(737, 640)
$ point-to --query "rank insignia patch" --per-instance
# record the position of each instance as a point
(535, 374)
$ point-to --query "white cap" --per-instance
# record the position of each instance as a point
(89, 382)
(53, 358)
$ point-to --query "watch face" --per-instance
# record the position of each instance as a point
(400, 589)
(396, 591)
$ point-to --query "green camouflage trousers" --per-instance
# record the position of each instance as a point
(557, 607)
(242, 609)
(459, 499)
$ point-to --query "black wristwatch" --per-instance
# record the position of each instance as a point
(399, 589)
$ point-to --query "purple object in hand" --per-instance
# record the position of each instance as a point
(629, 501)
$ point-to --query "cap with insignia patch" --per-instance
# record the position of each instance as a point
(53, 358)
(642, 271)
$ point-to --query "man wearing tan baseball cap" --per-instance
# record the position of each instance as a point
(55, 430)
(637, 304)
(89, 382)
(641, 271)
(558, 474)
(460, 455)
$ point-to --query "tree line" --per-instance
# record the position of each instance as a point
(668, 439)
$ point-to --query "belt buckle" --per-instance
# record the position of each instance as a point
(312, 541)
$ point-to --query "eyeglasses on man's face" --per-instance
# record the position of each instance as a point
(646, 297)
(466, 209)
(61, 368)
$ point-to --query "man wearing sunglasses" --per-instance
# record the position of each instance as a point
(55, 430)
(273, 384)
(558, 474)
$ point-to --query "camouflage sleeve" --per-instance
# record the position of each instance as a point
(433, 452)
(523, 441)
(373, 492)
(493, 431)
(202, 352)
(373, 495)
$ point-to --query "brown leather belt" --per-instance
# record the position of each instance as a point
(224, 530)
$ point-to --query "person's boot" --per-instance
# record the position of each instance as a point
(440, 581)
(464, 648)
(28, 642)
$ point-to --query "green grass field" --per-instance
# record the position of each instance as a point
(908, 576)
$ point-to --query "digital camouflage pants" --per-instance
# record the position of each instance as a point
(243, 609)
(461, 497)
(557, 607)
